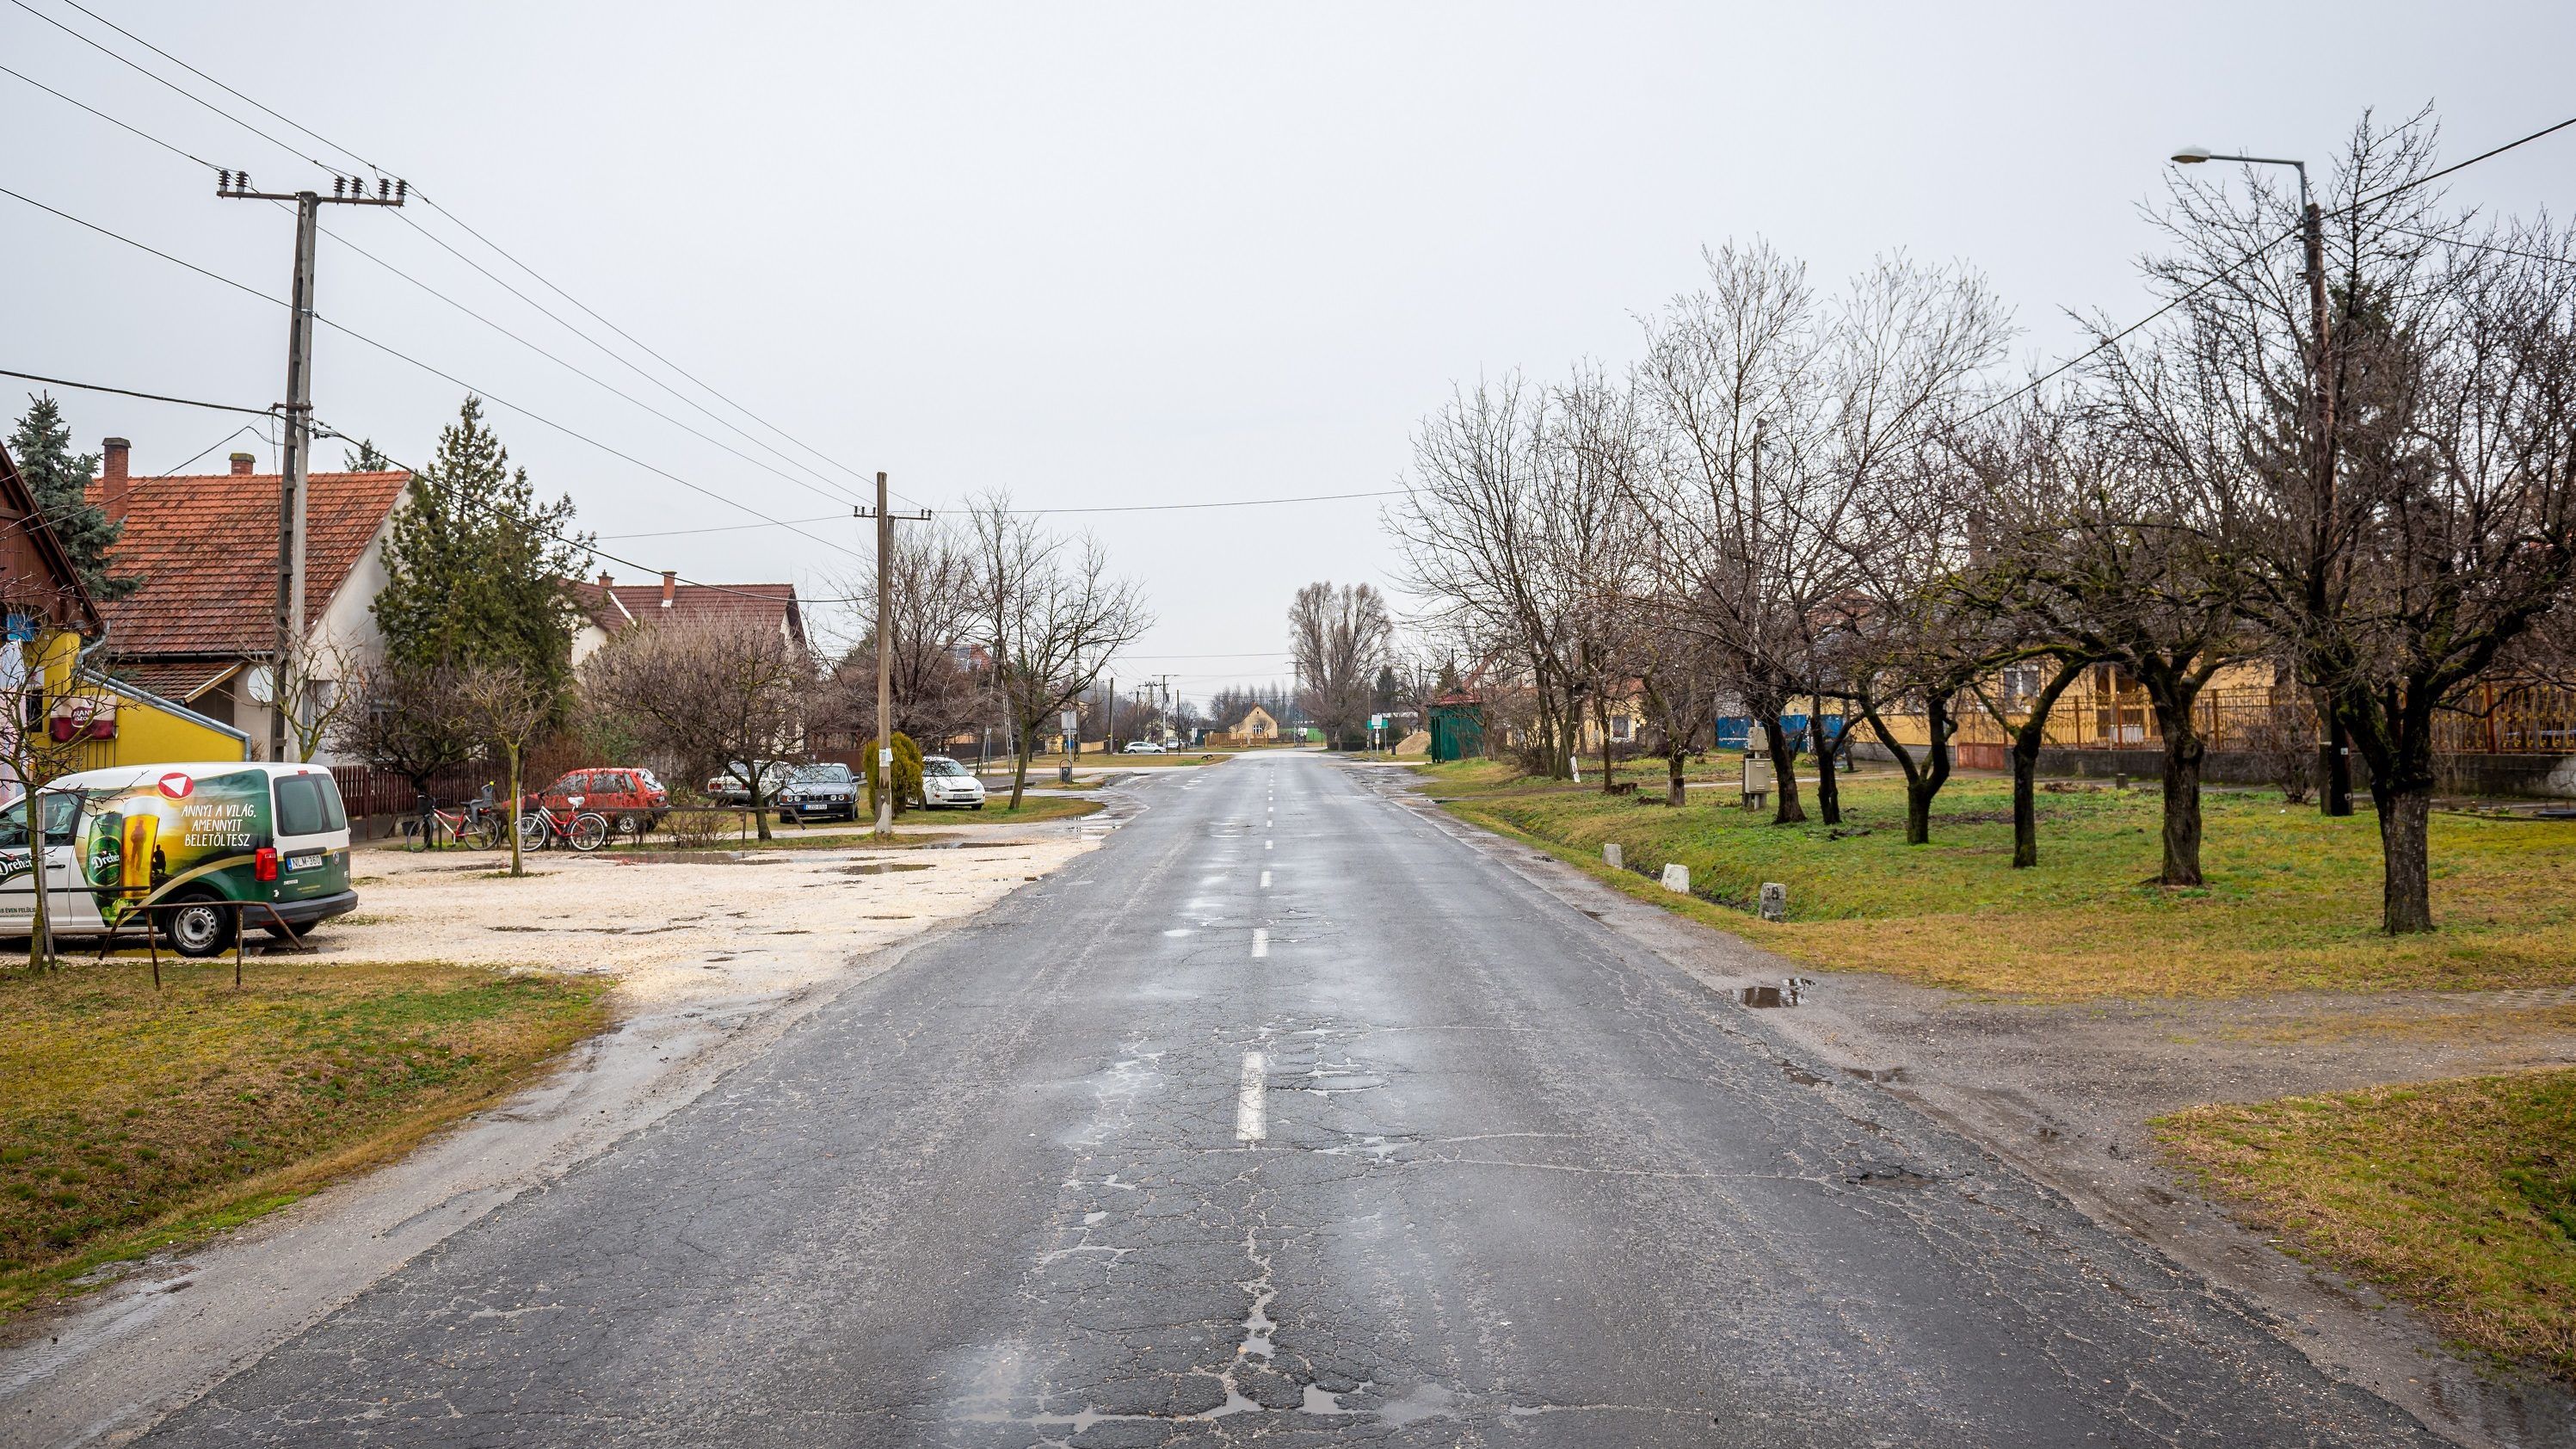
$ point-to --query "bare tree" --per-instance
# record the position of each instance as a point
(1340, 636)
(715, 697)
(507, 707)
(2414, 512)
(2114, 532)
(404, 719)
(1792, 425)
(1519, 533)
(938, 688)
(1680, 679)
(1051, 616)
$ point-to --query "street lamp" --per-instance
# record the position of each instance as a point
(2336, 797)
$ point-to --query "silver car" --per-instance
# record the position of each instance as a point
(820, 792)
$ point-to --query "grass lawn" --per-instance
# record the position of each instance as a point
(2292, 899)
(2458, 1197)
(135, 1120)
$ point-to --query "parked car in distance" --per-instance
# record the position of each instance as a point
(828, 792)
(1142, 747)
(946, 784)
(732, 784)
(203, 849)
(628, 796)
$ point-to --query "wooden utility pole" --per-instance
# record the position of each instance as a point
(346, 191)
(885, 657)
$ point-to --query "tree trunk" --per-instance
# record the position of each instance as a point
(1920, 788)
(1019, 772)
(2184, 752)
(2029, 738)
(1784, 772)
(1829, 795)
(1674, 792)
(2173, 694)
(760, 807)
(1601, 717)
(40, 934)
(2406, 881)
(518, 862)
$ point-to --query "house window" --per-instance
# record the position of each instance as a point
(1622, 728)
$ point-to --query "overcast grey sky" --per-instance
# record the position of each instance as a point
(1130, 254)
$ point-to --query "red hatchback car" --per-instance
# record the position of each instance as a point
(631, 798)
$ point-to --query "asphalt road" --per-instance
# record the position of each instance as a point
(1287, 1115)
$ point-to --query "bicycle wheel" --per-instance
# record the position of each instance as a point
(589, 831)
(415, 839)
(482, 833)
(532, 831)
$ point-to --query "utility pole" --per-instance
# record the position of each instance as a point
(2335, 798)
(345, 191)
(885, 656)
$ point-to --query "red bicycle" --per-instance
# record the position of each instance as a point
(583, 830)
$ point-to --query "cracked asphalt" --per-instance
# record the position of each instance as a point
(1432, 1159)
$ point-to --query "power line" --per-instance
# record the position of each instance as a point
(460, 222)
(591, 547)
(839, 495)
(2233, 267)
(161, 80)
(173, 470)
(188, 402)
(104, 116)
(433, 371)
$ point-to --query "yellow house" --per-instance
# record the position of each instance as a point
(1257, 727)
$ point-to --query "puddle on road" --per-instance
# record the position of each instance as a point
(1787, 993)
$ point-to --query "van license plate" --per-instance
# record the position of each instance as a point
(304, 862)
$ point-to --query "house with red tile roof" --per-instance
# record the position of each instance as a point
(201, 630)
(613, 608)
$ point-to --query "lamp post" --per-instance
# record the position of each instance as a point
(2336, 796)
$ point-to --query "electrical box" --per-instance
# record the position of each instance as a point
(1758, 779)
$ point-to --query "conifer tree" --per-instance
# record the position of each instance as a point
(42, 446)
(477, 569)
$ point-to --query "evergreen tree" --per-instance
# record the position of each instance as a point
(365, 458)
(58, 477)
(477, 568)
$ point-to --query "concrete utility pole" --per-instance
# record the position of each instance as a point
(345, 191)
(885, 656)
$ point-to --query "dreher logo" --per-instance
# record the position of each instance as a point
(177, 785)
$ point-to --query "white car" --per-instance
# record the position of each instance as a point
(946, 784)
(1142, 747)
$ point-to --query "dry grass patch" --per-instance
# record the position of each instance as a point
(2458, 1197)
(135, 1119)
(2292, 900)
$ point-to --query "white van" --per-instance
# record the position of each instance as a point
(199, 835)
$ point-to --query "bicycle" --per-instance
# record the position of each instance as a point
(583, 830)
(470, 825)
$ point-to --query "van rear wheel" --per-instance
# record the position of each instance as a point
(202, 927)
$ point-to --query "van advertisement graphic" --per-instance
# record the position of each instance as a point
(136, 842)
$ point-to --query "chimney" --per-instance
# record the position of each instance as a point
(242, 464)
(670, 586)
(115, 485)
(607, 580)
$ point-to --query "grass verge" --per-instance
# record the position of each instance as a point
(2292, 899)
(136, 1120)
(2457, 1197)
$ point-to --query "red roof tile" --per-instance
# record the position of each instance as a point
(770, 604)
(178, 681)
(206, 545)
